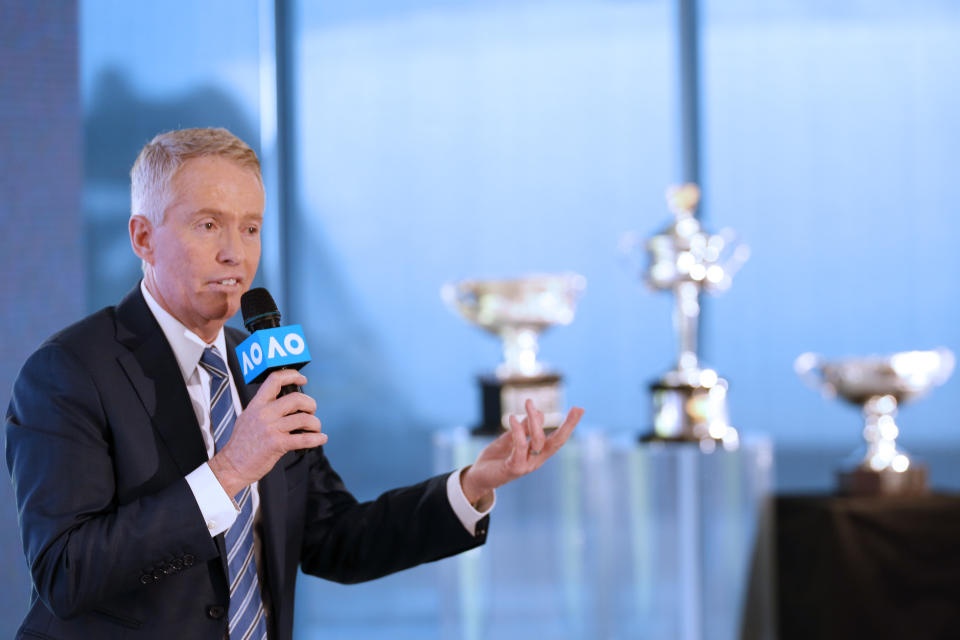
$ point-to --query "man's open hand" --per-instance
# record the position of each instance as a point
(515, 453)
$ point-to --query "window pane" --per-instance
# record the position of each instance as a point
(830, 145)
(147, 68)
(478, 139)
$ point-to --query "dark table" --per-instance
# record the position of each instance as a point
(868, 567)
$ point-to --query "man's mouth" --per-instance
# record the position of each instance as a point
(227, 282)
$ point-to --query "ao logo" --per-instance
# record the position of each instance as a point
(269, 349)
(293, 343)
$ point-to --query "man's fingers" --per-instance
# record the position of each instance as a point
(270, 388)
(307, 440)
(303, 421)
(293, 403)
(558, 437)
(519, 437)
(535, 428)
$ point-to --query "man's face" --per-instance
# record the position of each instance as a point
(204, 254)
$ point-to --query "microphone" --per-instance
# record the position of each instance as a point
(270, 346)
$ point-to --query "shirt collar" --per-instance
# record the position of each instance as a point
(187, 346)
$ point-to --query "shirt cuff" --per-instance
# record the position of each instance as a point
(467, 515)
(218, 510)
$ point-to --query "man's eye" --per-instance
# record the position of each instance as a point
(253, 230)
(207, 226)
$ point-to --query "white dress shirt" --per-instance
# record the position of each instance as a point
(219, 509)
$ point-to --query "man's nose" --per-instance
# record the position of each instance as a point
(231, 247)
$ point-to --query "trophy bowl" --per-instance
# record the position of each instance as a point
(517, 310)
(879, 384)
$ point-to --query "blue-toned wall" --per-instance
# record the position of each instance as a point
(41, 245)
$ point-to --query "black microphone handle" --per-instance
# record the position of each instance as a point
(288, 388)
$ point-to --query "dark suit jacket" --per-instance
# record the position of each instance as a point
(100, 434)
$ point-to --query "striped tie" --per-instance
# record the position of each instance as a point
(246, 605)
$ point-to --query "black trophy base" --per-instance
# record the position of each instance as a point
(683, 413)
(503, 397)
(652, 436)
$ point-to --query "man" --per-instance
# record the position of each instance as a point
(158, 497)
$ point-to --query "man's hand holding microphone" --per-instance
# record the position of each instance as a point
(280, 417)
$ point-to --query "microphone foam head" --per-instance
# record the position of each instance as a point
(257, 304)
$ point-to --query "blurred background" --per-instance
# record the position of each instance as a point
(409, 143)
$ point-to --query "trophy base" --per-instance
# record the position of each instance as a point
(691, 413)
(503, 397)
(867, 482)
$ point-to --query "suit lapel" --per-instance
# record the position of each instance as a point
(153, 371)
(272, 489)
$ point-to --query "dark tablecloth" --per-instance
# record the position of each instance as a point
(852, 567)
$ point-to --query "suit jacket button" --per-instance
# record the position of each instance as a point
(216, 611)
(157, 574)
(188, 560)
(178, 564)
(146, 578)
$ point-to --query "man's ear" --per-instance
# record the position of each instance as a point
(141, 238)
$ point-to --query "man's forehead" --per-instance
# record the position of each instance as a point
(200, 164)
(216, 185)
(212, 172)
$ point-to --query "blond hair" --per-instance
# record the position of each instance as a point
(163, 156)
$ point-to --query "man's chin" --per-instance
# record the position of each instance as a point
(221, 306)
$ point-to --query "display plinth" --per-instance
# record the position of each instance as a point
(615, 539)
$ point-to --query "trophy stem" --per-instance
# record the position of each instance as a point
(880, 432)
(686, 317)
(885, 469)
(520, 349)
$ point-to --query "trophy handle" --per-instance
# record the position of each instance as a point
(948, 361)
(734, 255)
(809, 368)
(450, 294)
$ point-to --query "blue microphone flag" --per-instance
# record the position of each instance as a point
(269, 349)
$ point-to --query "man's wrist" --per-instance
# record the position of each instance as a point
(226, 475)
(479, 499)
(467, 513)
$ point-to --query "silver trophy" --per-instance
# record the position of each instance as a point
(879, 385)
(518, 310)
(689, 401)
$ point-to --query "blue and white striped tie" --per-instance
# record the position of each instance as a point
(246, 605)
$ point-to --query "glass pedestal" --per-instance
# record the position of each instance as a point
(616, 539)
